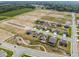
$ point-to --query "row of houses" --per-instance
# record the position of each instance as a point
(47, 26)
(60, 28)
(46, 38)
(52, 24)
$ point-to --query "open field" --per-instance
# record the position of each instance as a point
(55, 16)
(38, 29)
(27, 19)
(12, 13)
(5, 35)
(3, 17)
(21, 23)
(16, 12)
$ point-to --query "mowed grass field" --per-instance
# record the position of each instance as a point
(3, 17)
(9, 53)
(14, 13)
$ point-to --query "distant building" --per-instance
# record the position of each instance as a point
(47, 32)
(43, 39)
(49, 24)
(46, 24)
(67, 25)
(53, 24)
(68, 22)
(65, 33)
(63, 41)
(35, 33)
(55, 34)
(64, 37)
(39, 6)
(52, 41)
(58, 25)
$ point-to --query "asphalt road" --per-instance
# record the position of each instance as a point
(19, 50)
(74, 51)
(32, 45)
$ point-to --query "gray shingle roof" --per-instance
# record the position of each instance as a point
(52, 40)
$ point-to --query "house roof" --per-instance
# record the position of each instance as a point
(66, 26)
(63, 41)
(55, 34)
(52, 40)
(43, 37)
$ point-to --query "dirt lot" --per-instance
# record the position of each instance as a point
(24, 21)
(5, 35)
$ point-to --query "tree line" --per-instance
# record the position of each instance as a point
(6, 8)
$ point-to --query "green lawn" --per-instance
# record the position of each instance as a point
(9, 53)
(78, 33)
(68, 48)
(78, 37)
(14, 13)
(24, 55)
(2, 17)
(77, 17)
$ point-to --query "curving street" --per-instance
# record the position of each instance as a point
(19, 50)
